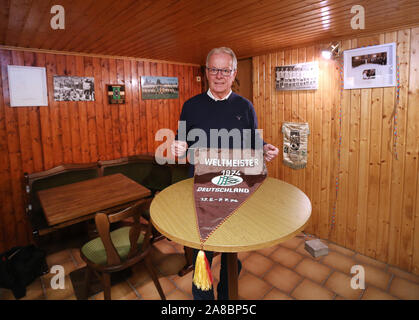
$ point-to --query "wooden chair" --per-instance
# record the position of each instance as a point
(120, 249)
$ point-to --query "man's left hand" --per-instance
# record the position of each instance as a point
(270, 152)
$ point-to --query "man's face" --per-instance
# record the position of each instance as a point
(220, 85)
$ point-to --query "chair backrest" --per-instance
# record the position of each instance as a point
(54, 177)
(104, 220)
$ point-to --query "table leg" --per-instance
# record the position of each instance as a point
(233, 281)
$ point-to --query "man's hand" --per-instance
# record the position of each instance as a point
(270, 152)
(178, 148)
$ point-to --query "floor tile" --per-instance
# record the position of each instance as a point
(178, 295)
(404, 289)
(252, 287)
(59, 294)
(313, 270)
(59, 257)
(282, 278)
(372, 293)
(257, 264)
(243, 255)
(341, 284)
(339, 262)
(286, 257)
(275, 294)
(184, 283)
(293, 243)
(267, 251)
(120, 291)
(148, 290)
(308, 290)
(34, 291)
(377, 277)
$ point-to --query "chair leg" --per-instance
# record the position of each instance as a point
(153, 275)
(106, 285)
(87, 277)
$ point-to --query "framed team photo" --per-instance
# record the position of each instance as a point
(370, 67)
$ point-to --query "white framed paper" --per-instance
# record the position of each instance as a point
(370, 67)
(27, 86)
(300, 76)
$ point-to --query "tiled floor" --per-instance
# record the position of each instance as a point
(286, 271)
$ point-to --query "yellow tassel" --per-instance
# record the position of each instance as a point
(202, 277)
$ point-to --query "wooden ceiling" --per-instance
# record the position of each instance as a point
(185, 30)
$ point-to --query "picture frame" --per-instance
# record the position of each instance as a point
(72, 88)
(27, 86)
(159, 87)
(116, 93)
(300, 76)
(370, 67)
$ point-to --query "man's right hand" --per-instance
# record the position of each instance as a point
(179, 148)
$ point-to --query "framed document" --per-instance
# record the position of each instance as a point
(370, 67)
(27, 86)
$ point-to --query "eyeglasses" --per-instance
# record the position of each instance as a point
(224, 72)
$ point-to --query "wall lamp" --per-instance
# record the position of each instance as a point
(333, 50)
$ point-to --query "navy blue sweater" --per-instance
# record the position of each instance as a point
(203, 112)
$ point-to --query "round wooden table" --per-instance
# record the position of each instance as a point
(276, 212)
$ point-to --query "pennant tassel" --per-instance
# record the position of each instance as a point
(202, 276)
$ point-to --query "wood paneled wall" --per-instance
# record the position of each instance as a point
(376, 194)
(34, 139)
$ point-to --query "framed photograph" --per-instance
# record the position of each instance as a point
(69, 88)
(301, 76)
(116, 93)
(27, 86)
(370, 67)
(159, 87)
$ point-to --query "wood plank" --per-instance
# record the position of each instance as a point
(411, 158)
(398, 166)
(74, 115)
(14, 155)
(45, 121)
(34, 122)
(115, 114)
(364, 145)
(6, 199)
(54, 114)
(344, 188)
(90, 110)
(63, 107)
(129, 108)
(99, 110)
(107, 111)
(136, 106)
(82, 111)
(122, 108)
(385, 167)
(23, 124)
(143, 111)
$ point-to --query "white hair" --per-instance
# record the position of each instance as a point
(223, 50)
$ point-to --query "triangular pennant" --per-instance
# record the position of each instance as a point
(224, 179)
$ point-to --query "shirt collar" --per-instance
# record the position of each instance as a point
(209, 93)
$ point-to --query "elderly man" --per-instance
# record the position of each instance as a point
(218, 108)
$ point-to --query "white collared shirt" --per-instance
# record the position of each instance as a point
(216, 99)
